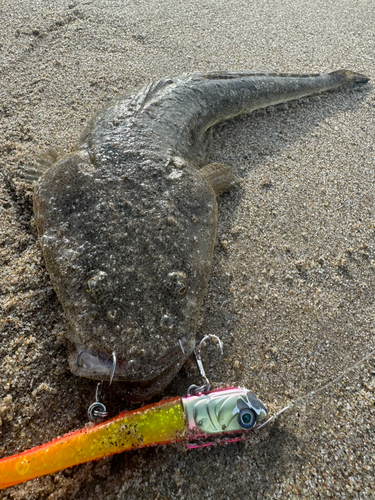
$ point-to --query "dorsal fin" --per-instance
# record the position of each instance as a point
(153, 91)
(218, 75)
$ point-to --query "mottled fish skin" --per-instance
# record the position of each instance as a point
(127, 222)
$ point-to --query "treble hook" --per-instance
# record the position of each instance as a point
(205, 387)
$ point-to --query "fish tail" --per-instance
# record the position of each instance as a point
(226, 95)
(350, 77)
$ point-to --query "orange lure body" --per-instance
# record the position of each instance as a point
(154, 424)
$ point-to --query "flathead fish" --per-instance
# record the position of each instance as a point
(127, 222)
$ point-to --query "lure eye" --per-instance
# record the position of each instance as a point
(247, 418)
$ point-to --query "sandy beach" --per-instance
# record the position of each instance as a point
(293, 282)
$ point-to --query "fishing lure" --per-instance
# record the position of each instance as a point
(192, 419)
(202, 418)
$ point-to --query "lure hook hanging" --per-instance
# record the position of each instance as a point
(205, 387)
(97, 410)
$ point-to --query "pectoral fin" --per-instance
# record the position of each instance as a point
(42, 163)
(220, 177)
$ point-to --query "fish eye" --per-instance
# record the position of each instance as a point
(176, 284)
(90, 285)
(96, 285)
(247, 418)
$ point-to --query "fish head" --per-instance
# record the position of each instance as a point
(129, 251)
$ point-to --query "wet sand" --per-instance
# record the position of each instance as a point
(293, 282)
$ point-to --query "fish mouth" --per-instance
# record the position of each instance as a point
(139, 375)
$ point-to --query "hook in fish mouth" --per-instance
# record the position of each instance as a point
(102, 358)
(99, 365)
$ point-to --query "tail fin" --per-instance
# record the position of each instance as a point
(350, 77)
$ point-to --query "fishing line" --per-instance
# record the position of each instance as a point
(322, 388)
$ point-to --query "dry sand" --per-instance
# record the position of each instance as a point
(293, 282)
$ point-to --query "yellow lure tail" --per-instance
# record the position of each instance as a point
(159, 423)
